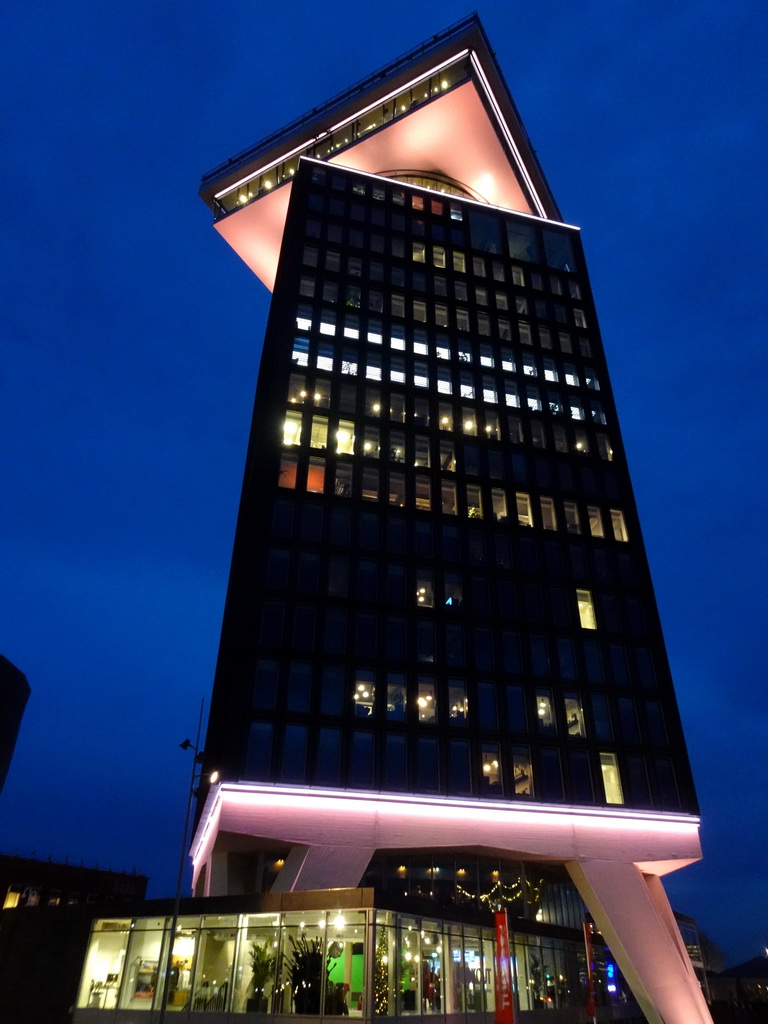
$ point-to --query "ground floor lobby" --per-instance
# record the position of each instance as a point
(331, 954)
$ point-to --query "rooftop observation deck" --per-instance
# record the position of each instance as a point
(441, 112)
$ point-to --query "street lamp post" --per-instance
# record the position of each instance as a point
(194, 779)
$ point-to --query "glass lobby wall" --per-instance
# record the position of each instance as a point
(314, 962)
(104, 965)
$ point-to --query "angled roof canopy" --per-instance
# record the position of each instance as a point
(442, 112)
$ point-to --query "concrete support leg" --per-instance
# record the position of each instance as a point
(323, 867)
(218, 875)
(632, 912)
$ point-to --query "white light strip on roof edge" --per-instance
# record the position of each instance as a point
(458, 802)
(409, 804)
(347, 120)
(507, 134)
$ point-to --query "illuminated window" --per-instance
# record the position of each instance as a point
(459, 261)
(550, 371)
(522, 773)
(579, 318)
(554, 403)
(426, 699)
(511, 395)
(445, 413)
(420, 310)
(448, 497)
(457, 701)
(370, 484)
(604, 449)
(364, 693)
(447, 456)
(518, 277)
(444, 385)
(586, 609)
(502, 302)
(474, 502)
(595, 521)
(345, 437)
(548, 515)
(419, 252)
(288, 468)
(373, 367)
(598, 414)
(319, 435)
(581, 441)
(397, 489)
(396, 697)
(533, 399)
(292, 428)
(396, 446)
(325, 356)
(425, 591)
(574, 715)
(420, 375)
(492, 421)
(297, 389)
(300, 354)
(342, 485)
(12, 897)
(577, 410)
(524, 515)
(438, 256)
(545, 713)
(572, 521)
(422, 493)
(619, 525)
(462, 319)
(421, 451)
(490, 760)
(489, 392)
(609, 767)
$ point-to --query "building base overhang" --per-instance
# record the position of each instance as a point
(342, 820)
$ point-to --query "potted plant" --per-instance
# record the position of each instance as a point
(262, 963)
(304, 967)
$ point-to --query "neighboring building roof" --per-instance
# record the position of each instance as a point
(757, 967)
(25, 881)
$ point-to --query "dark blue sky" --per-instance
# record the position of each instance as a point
(130, 345)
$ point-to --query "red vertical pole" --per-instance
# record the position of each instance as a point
(505, 1005)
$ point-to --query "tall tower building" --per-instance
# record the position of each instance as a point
(442, 673)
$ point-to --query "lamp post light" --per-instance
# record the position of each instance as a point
(195, 777)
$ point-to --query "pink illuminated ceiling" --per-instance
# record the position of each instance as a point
(452, 136)
(338, 819)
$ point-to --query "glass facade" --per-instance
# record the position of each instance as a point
(436, 504)
(355, 963)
